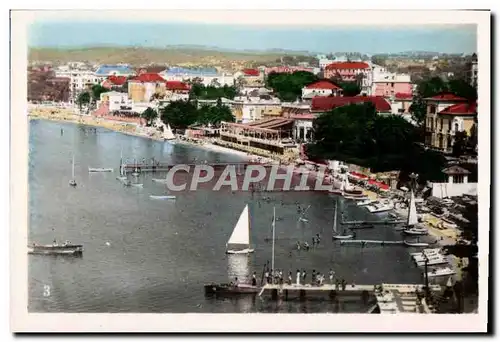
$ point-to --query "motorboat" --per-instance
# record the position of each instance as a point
(365, 202)
(427, 251)
(100, 169)
(433, 262)
(380, 207)
(415, 244)
(441, 272)
(231, 289)
(416, 231)
(162, 197)
(66, 248)
(420, 257)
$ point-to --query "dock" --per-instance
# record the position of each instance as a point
(384, 222)
(389, 298)
(164, 167)
(372, 242)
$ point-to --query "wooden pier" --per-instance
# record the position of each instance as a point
(164, 167)
(371, 242)
(383, 222)
(387, 296)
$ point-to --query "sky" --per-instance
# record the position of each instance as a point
(368, 39)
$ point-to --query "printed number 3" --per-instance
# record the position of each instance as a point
(46, 290)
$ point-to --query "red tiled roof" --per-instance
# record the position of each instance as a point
(302, 116)
(117, 80)
(446, 97)
(358, 175)
(403, 96)
(469, 108)
(148, 77)
(251, 72)
(177, 85)
(329, 103)
(322, 85)
(347, 65)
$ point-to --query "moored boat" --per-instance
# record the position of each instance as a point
(66, 248)
(433, 262)
(231, 289)
(336, 235)
(440, 272)
(100, 169)
(164, 197)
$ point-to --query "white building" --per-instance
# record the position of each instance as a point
(79, 79)
(321, 88)
(457, 184)
(323, 62)
(249, 109)
(206, 76)
(117, 101)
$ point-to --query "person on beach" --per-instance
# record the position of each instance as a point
(314, 241)
(298, 245)
(331, 273)
(306, 246)
(318, 239)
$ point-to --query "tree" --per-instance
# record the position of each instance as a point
(180, 114)
(357, 134)
(149, 115)
(418, 109)
(350, 88)
(97, 90)
(83, 99)
(288, 86)
(460, 143)
(462, 88)
(199, 91)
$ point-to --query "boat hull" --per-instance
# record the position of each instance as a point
(240, 251)
(441, 273)
(55, 249)
(342, 237)
(416, 244)
(162, 197)
(415, 232)
(229, 290)
(432, 263)
(100, 169)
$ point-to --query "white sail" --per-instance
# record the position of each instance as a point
(335, 219)
(347, 186)
(168, 134)
(241, 232)
(412, 211)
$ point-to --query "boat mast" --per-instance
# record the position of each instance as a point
(335, 219)
(73, 167)
(274, 226)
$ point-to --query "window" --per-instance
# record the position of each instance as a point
(392, 85)
(458, 178)
(432, 109)
(449, 125)
(456, 127)
(441, 126)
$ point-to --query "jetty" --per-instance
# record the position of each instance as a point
(371, 242)
(389, 298)
(383, 222)
(164, 167)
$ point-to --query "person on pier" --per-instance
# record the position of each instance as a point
(331, 273)
(290, 278)
(298, 277)
(254, 279)
(304, 274)
(266, 276)
(313, 277)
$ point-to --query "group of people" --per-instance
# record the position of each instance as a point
(317, 278)
(304, 245)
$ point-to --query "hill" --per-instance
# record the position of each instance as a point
(182, 56)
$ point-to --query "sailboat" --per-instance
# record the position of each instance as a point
(168, 134)
(413, 219)
(336, 236)
(122, 176)
(136, 170)
(72, 182)
(239, 242)
(416, 243)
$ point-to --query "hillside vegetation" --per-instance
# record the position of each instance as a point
(141, 56)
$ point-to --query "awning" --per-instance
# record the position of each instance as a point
(358, 175)
(380, 185)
